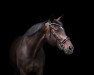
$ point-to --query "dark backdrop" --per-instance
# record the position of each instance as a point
(17, 20)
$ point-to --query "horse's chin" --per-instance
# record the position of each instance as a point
(61, 47)
(66, 51)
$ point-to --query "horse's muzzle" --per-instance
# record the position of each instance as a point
(69, 50)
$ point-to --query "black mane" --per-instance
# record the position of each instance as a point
(35, 28)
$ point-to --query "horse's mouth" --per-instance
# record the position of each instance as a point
(66, 51)
(61, 47)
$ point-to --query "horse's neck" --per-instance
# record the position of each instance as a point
(39, 45)
(36, 42)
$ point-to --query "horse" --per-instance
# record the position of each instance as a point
(27, 52)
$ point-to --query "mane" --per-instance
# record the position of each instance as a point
(35, 28)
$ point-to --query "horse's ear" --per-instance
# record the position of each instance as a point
(47, 26)
(58, 21)
(59, 18)
(49, 21)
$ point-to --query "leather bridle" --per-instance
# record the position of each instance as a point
(56, 36)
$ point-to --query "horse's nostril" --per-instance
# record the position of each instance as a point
(70, 47)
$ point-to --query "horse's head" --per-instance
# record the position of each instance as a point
(56, 36)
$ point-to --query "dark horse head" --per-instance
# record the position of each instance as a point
(56, 36)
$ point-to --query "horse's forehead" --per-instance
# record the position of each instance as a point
(57, 26)
(54, 24)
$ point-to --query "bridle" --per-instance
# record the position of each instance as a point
(56, 36)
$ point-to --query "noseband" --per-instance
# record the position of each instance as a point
(56, 36)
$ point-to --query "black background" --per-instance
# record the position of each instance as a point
(17, 18)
